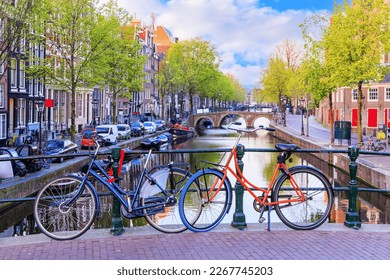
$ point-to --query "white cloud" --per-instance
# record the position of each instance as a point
(244, 33)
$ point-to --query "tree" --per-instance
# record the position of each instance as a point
(78, 37)
(275, 83)
(357, 37)
(121, 65)
(314, 73)
(192, 63)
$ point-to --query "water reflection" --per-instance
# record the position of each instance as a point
(258, 167)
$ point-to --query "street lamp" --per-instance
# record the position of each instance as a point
(40, 106)
(302, 103)
(94, 109)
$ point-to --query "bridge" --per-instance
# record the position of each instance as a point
(217, 119)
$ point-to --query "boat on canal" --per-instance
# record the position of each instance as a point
(179, 131)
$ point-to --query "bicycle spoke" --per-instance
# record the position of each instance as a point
(311, 212)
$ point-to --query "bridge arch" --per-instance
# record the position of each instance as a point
(252, 119)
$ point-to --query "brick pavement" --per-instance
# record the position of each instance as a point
(329, 242)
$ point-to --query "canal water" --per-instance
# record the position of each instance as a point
(258, 167)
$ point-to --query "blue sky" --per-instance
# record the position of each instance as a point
(244, 32)
(282, 5)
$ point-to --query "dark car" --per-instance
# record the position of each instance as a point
(136, 129)
(59, 147)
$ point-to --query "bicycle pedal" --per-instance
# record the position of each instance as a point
(261, 220)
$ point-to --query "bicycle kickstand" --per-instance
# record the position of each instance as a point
(262, 219)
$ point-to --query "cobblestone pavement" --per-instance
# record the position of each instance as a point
(329, 242)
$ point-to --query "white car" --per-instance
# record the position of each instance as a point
(109, 132)
(124, 131)
(150, 127)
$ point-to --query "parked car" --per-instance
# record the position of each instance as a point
(11, 168)
(124, 131)
(59, 147)
(150, 127)
(86, 138)
(109, 133)
(160, 124)
(136, 129)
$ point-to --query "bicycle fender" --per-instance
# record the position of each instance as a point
(294, 168)
(94, 194)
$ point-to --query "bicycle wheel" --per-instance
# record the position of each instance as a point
(162, 211)
(205, 200)
(379, 147)
(308, 214)
(58, 220)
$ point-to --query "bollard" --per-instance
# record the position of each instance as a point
(352, 218)
(239, 216)
(116, 220)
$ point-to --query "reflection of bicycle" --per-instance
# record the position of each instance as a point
(67, 206)
(301, 195)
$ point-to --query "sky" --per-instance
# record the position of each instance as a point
(245, 33)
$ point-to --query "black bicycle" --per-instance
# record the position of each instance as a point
(67, 206)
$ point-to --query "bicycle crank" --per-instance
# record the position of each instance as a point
(256, 204)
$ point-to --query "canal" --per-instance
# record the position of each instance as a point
(258, 167)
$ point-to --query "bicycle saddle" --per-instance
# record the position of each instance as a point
(286, 147)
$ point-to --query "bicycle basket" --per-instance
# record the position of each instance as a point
(153, 187)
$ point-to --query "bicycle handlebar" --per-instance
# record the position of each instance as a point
(261, 127)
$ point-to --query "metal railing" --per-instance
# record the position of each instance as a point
(352, 216)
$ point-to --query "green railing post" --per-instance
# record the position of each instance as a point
(116, 220)
(352, 218)
(239, 216)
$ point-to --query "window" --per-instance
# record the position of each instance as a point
(387, 93)
(80, 105)
(373, 94)
(21, 112)
(354, 95)
(2, 61)
(3, 123)
(13, 73)
(22, 77)
(2, 98)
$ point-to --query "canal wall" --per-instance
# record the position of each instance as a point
(371, 168)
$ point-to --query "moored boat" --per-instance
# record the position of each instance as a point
(150, 143)
(179, 131)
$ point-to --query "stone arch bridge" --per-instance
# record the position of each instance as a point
(251, 118)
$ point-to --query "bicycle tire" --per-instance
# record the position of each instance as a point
(165, 218)
(62, 223)
(380, 147)
(311, 213)
(203, 203)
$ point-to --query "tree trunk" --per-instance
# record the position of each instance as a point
(331, 118)
(360, 103)
(114, 97)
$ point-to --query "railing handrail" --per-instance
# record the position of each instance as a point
(353, 153)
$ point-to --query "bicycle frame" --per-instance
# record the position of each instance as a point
(130, 200)
(249, 186)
